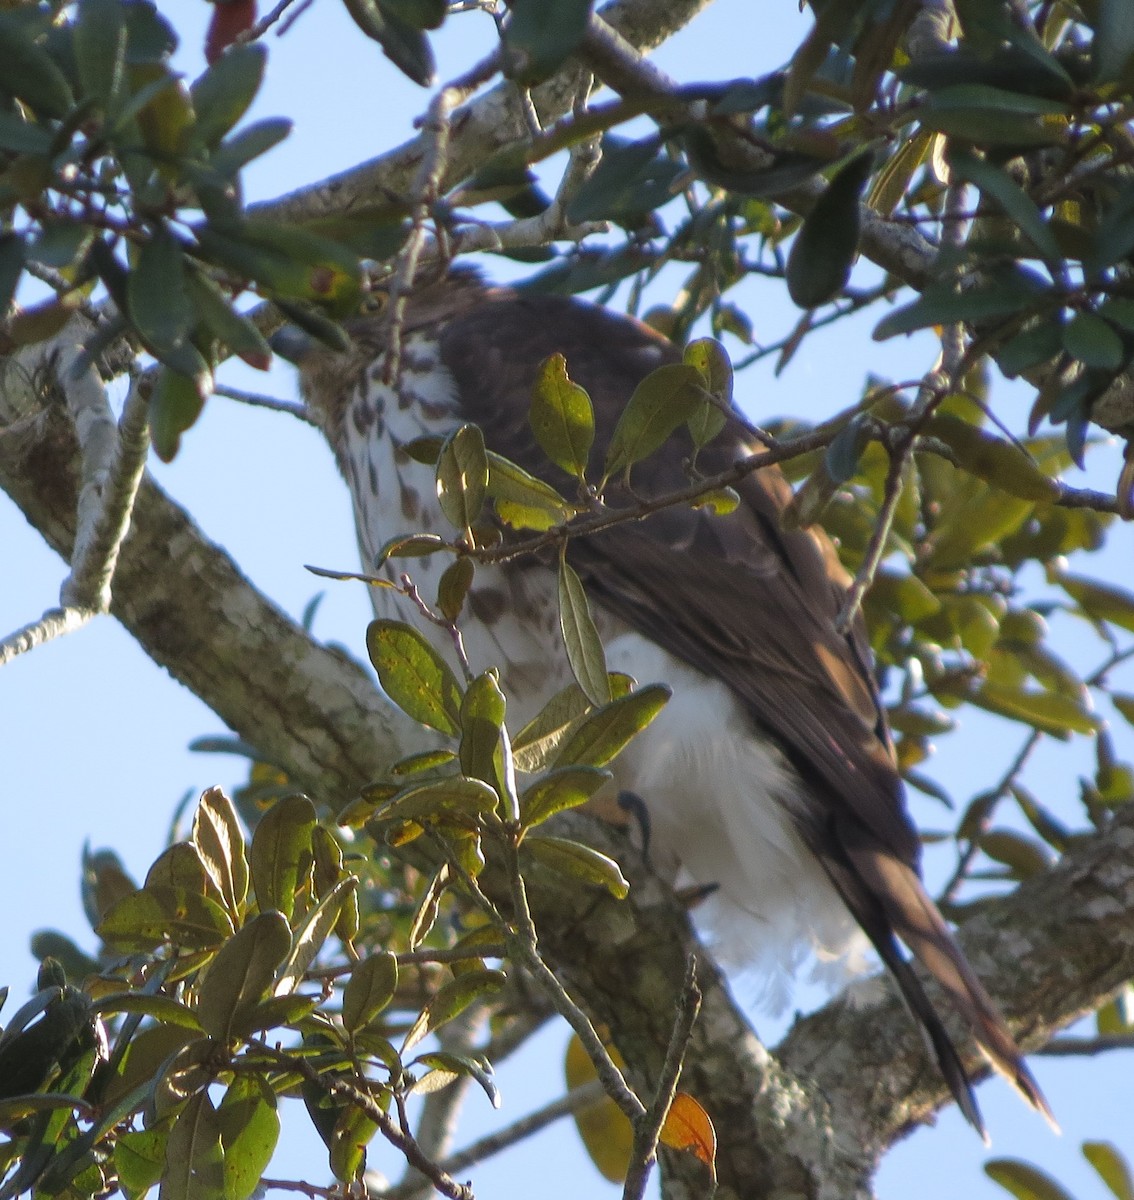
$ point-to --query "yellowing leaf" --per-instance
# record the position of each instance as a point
(1024, 1181)
(414, 676)
(603, 1127)
(562, 418)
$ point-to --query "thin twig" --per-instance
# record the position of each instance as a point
(494, 1143)
(259, 400)
(426, 188)
(401, 1140)
(879, 535)
(525, 948)
(949, 891)
(305, 1189)
(54, 623)
(1086, 1047)
(648, 1130)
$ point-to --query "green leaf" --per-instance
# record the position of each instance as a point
(370, 988)
(994, 181)
(1100, 601)
(194, 1157)
(632, 179)
(414, 545)
(1024, 856)
(153, 916)
(292, 1011)
(819, 263)
(522, 500)
(352, 1132)
(847, 448)
(1111, 1166)
(580, 637)
(1125, 705)
(562, 418)
(1039, 344)
(421, 14)
(175, 404)
(159, 303)
(139, 1158)
(1112, 47)
(289, 262)
(607, 730)
(427, 760)
(1024, 1181)
(222, 95)
(559, 790)
(250, 143)
(162, 1008)
(311, 935)
(25, 137)
(280, 857)
(249, 1128)
(541, 36)
(533, 746)
(414, 675)
(241, 974)
(666, 399)
(99, 39)
(453, 587)
(992, 116)
(462, 476)
(1010, 295)
(996, 461)
(328, 871)
(711, 359)
(30, 73)
(455, 797)
(220, 844)
(452, 1000)
(1093, 342)
(180, 865)
(1048, 712)
(428, 908)
(576, 861)
(406, 47)
(233, 330)
(457, 1065)
(482, 722)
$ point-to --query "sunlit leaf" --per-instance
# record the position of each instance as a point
(561, 417)
(369, 989)
(576, 861)
(414, 675)
(452, 1000)
(661, 403)
(580, 637)
(687, 1127)
(598, 739)
(242, 973)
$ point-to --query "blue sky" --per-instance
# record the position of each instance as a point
(94, 736)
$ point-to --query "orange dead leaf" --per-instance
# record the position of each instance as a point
(687, 1127)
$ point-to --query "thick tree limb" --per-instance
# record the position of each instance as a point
(307, 708)
(481, 127)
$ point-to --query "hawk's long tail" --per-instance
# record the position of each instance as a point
(888, 900)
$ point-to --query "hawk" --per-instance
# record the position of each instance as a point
(770, 773)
